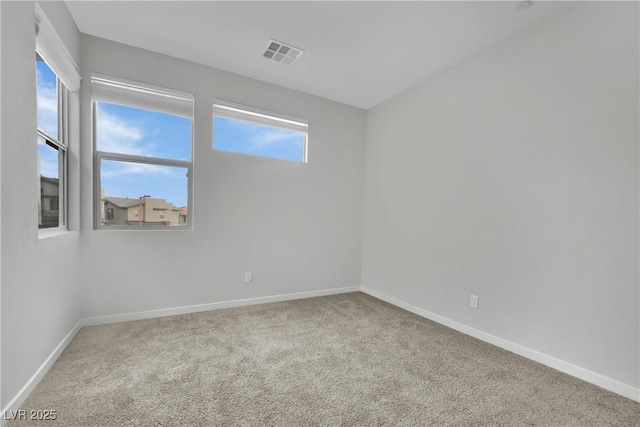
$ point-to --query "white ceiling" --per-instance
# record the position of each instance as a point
(359, 53)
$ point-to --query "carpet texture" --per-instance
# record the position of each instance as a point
(339, 360)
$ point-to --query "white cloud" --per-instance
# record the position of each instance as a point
(118, 169)
(47, 102)
(273, 136)
(120, 136)
(48, 164)
(47, 105)
(127, 136)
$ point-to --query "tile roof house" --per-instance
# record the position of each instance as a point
(144, 211)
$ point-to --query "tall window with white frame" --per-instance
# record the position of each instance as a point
(52, 147)
(143, 140)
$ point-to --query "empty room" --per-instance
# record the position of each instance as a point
(319, 213)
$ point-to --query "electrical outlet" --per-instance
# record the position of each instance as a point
(248, 277)
(473, 301)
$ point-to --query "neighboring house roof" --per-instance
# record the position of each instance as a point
(156, 204)
(51, 180)
(122, 202)
(134, 222)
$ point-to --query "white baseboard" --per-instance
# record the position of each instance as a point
(126, 317)
(560, 365)
(15, 403)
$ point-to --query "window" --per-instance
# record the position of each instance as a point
(52, 148)
(56, 76)
(143, 139)
(252, 131)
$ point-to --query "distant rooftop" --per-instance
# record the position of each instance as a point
(125, 202)
(122, 202)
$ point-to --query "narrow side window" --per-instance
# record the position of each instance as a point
(52, 147)
(56, 76)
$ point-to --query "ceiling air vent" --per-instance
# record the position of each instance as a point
(282, 52)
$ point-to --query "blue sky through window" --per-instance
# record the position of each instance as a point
(47, 97)
(128, 130)
(258, 140)
(48, 158)
(47, 103)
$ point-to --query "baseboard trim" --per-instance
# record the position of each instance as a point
(550, 361)
(126, 317)
(17, 401)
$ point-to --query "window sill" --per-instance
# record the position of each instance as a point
(175, 229)
(45, 233)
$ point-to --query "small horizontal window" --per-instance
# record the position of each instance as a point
(251, 131)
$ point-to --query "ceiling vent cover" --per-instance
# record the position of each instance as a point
(282, 52)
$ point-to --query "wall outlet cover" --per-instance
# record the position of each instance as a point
(473, 301)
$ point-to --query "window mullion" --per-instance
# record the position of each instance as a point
(51, 140)
(103, 155)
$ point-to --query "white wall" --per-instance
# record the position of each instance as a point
(40, 290)
(514, 176)
(297, 227)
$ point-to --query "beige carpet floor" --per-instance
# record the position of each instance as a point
(340, 360)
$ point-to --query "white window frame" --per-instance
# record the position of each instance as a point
(60, 144)
(234, 111)
(51, 48)
(142, 96)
